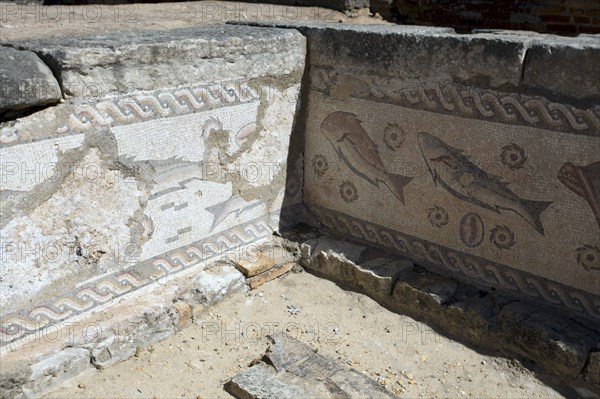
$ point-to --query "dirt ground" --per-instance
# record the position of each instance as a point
(405, 356)
(26, 21)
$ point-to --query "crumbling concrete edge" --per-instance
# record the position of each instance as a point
(121, 330)
(492, 322)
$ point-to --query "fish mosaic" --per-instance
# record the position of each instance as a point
(453, 170)
(585, 182)
(360, 153)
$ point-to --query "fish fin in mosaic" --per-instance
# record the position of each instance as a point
(360, 153)
(234, 205)
(585, 182)
(450, 168)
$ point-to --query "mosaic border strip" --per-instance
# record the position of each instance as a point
(465, 101)
(159, 104)
(474, 267)
(89, 296)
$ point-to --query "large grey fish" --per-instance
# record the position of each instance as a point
(585, 182)
(360, 153)
(466, 181)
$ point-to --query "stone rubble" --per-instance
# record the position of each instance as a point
(291, 369)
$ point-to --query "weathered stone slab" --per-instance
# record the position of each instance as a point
(214, 284)
(559, 344)
(56, 369)
(297, 369)
(259, 382)
(145, 60)
(340, 5)
(564, 67)
(25, 81)
(459, 153)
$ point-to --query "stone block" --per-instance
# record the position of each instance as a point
(424, 295)
(55, 369)
(557, 343)
(297, 370)
(315, 249)
(25, 82)
(564, 68)
(112, 350)
(259, 382)
(146, 60)
(357, 385)
(592, 369)
(213, 284)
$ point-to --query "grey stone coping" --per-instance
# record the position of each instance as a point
(560, 68)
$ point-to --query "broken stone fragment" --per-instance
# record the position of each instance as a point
(55, 369)
(25, 81)
(212, 285)
(295, 370)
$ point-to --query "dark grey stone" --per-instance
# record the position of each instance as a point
(557, 343)
(564, 67)
(259, 382)
(339, 5)
(25, 81)
(297, 371)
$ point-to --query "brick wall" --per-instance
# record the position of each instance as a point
(563, 17)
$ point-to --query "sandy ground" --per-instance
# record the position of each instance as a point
(405, 356)
(25, 21)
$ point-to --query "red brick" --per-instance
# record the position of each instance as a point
(548, 10)
(592, 13)
(562, 29)
(269, 275)
(556, 18)
(582, 4)
(581, 20)
(589, 29)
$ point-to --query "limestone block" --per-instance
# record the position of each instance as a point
(55, 369)
(564, 67)
(25, 81)
(295, 369)
(559, 344)
(146, 60)
(213, 284)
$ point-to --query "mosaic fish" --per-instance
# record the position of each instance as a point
(234, 204)
(360, 153)
(585, 182)
(466, 181)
